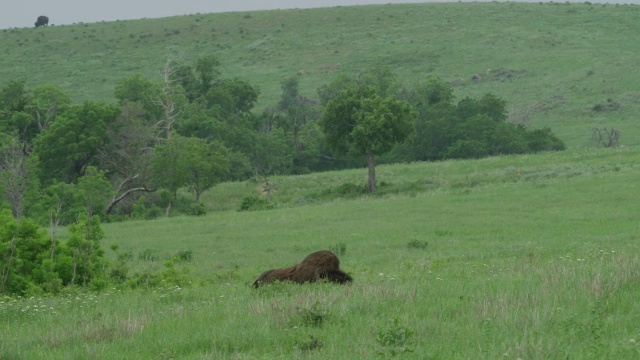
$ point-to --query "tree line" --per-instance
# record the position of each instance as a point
(80, 164)
(194, 128)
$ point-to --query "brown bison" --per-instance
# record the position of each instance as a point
(321, 265)
(42, 21)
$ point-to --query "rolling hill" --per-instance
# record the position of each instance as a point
(571, 67)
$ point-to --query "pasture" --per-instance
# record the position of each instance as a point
(570, 67)
(515, 257)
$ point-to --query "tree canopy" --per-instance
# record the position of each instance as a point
(361, 122)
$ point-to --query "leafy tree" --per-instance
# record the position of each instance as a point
(169, 171)
(472, 128)
(298, 116)
(73, 141)
(84, 241)
(361, 122)
(26, 114)
(95, 190)
(22, 246)
(139, 90)
(13, 97)
(207, 164)
(126, 158)
(271, 154)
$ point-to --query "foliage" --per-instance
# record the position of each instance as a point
(315, 315)
(23, 249)
(417, 244)
(394, 339)
(255, 202)
(73, 141)
(361, 122)
(84, 243)
(472, 128)
(187, 161)
(565, 267)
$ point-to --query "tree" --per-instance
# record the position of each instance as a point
(207, 163)
(73, 141)
(126, 158)
(95, 190)
(271, 154)
(168, 169)
(470, 128)
(361, 122)
(15, 171)
(139, 90)
(297, 116)
(28, 114)
(84, 241)
(21, 246)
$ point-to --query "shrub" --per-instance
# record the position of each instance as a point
(254, 202)
(314, 316)
(197, 210)
(394, 339)
(416, 244)
(184, 255)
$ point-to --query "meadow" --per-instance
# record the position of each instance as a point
(571, 67)
(515, 257)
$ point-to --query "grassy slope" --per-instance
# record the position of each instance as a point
(558, 60)
(527, 257)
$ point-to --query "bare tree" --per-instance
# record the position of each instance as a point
(127, 158)
(609, 138)
(14, 174)
(172, 95)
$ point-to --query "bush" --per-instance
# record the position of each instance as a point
(254, 202)
(197, 210)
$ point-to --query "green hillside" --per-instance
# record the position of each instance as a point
(570, 67)
(530, 257)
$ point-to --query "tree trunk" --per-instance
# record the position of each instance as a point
(372, 172)
(167, 211)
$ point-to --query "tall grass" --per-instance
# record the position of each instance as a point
(543, 267)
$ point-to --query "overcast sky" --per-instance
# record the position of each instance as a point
(23, 13)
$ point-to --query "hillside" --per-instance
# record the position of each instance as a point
(512, 257)
(553, 63)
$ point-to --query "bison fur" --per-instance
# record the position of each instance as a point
(42, 21)
(321, 265)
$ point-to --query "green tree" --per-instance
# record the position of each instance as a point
(361, 122)
(126, 158)
(22, 246)
(470, 128)
(73, 141)
(84, 241)
(169, 170)
(95, 190)
(142, 91)
(27, 114)
(207, 163)
(297, 116)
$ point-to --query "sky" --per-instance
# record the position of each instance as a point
(23, 13)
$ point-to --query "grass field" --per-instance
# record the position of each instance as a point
(553, 62)
(518, 257)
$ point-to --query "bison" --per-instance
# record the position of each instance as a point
(42, 21)
(321, 265)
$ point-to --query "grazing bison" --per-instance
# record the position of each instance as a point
(317, 266)
(42, 21)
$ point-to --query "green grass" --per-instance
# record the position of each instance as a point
(554, 61)
(532, 257)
